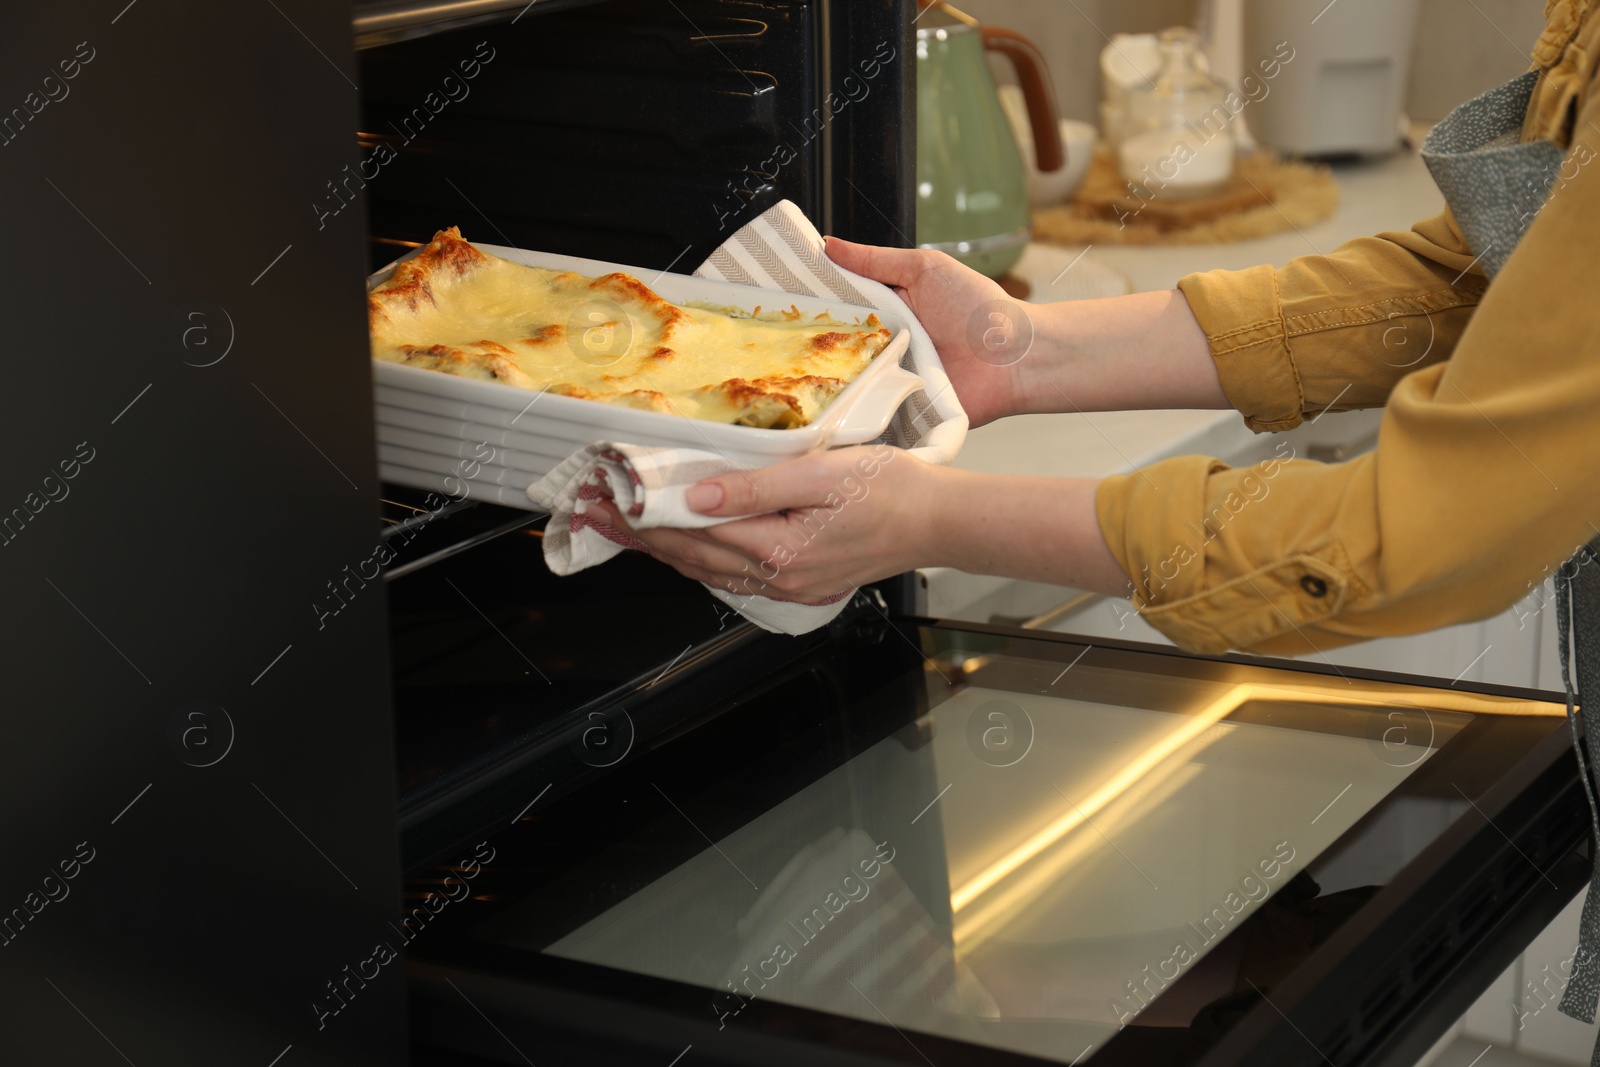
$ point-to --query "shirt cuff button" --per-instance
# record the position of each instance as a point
(1314, 585)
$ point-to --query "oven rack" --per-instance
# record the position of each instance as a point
(419, 534)
(385, 23)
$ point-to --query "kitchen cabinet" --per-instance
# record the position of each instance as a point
(1516, 1017)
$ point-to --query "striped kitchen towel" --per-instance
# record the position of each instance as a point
(647, 485)
(779, 250)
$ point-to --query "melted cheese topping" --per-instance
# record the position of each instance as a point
(456, 309)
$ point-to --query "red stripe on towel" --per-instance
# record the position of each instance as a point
(610, 533)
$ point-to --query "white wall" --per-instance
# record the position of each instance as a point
(1462, 48)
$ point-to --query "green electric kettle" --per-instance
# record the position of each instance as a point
(972, 188)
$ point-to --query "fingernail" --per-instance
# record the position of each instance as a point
(704, 497)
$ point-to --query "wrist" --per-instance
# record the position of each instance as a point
(1051, 376)
(945, 502)
(1032, 529)
(1142, 351)
(930, 514)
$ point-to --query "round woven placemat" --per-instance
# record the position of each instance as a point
(1268, 195)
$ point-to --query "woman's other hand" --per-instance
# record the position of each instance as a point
(980, 332)
(821, 525)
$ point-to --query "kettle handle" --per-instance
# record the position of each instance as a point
(1037, 90)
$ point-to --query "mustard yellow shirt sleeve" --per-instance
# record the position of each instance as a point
(1336, 332)
(1487, 468)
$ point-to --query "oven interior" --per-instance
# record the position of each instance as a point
(637, 132)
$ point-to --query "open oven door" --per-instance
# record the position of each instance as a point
(924, 842)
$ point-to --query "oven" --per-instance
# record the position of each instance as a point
(306, 767)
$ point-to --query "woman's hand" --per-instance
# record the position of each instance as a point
(823, 524)
(980, 332)
(1008, 357)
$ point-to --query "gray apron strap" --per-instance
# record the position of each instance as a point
(1494, 182)
(1578, 624)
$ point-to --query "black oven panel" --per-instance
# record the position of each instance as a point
(638, 131)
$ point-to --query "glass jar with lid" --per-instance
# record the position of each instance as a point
(1179, 138)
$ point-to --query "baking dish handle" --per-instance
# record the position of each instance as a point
(869, 414)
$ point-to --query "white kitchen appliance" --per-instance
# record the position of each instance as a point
(1343, 89)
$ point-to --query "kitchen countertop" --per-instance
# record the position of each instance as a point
(1390, 193)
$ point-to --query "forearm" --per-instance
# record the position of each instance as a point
(1036, 529)
(1143, 351)
(1362, 318)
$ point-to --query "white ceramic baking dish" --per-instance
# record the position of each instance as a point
(456, 488)
(460, 420)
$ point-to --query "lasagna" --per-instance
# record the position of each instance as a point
(456, 309)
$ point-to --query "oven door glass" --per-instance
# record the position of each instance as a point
(1007, 843)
